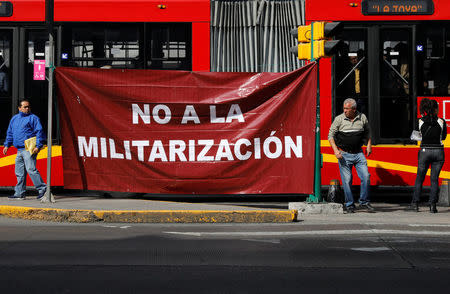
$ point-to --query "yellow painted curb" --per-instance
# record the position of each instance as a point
(149, 216)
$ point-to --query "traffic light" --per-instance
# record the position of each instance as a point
(320, 45)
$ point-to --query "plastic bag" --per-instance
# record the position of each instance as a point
(335, 193)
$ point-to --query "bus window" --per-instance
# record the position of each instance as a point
(169, 46)
(5, 80)
(102, 45)
(351, 70)
(395, 85)
(434, 60)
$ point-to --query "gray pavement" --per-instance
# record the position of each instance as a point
(51, 257)
(385, 213)
(89, 207)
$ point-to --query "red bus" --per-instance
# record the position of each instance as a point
(394, 54)
(169, 34)
(401, 51)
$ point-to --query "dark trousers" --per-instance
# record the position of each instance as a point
(434, 157)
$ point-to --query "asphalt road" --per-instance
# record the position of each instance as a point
(41, 257)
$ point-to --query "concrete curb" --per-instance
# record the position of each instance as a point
(149, 216)
(317, 208)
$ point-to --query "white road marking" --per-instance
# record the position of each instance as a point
(310, 233)
(410, 225)
(273, 241)
(121, 227)
(430, 225)
(372, 249)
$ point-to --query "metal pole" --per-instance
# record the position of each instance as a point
(317, 196)
(312, 43)
(318, 157)
(353, 69)
(49, 4)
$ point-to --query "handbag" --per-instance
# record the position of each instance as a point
(416, 136)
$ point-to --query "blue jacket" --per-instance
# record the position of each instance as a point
(24, 126)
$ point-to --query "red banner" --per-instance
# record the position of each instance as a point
(187, 132)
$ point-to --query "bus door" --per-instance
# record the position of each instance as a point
(352, 69)
(6, 78)
(33, 84)
(34, 88)
(374, 66)
(395, 113)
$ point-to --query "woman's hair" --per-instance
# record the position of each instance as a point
(434, 107)
(425, 107)
(429, 109)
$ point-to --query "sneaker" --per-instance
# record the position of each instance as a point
(350, 208)
(41, 194)
(367, 207)
(16, 197)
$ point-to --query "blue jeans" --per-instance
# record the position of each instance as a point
(435, 158)
(26, 163)
(358, 160)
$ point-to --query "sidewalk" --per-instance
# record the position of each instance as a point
(92, 208)
(385, 213)
(96, 209)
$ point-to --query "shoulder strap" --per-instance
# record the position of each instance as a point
(426, 132)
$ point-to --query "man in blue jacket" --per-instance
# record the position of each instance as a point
(23, 126)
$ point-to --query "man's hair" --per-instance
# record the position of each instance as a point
(350, 101)
(23, 100)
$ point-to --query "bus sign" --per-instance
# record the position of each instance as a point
(400, 7)
(39, 70)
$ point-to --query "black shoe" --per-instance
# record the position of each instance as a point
(433, 208)
(414, 206)
(350, 208)
(16, 197)
(367, 206)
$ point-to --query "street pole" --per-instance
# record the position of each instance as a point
(317, 196)
(318, 154)
(320, 45)
(49, 5)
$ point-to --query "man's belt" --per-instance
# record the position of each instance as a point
(351, 150)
